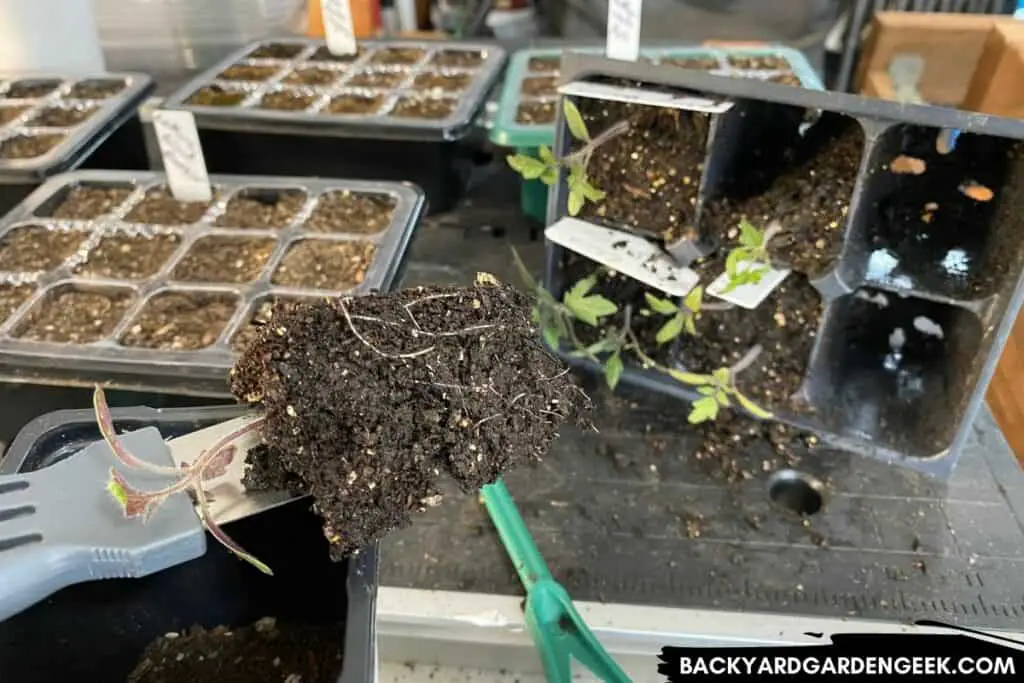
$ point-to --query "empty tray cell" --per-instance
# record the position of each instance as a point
(96, 88)
(458, 59)
(32, 88)
(69, 314)
(363, 213)
(442, 82)
(224, 259)
(84, 202)
(804, 181)
(896, 371)
(354, 103)
(287, 100)
(398, 55)
(758, 62)
(949, 224)
(703, 63)
(11, 297)
(277, 51)
(61, 116)
(378, 79)
(181, 321)
(325, 264)
(413, 107)
(536, 86)
(35, 248)
(123, 256)
(217, 96)
(535, 113)
(29, 146)
(248, 72)
(261, 314)
(323, 54)
(313, 75)
(159, 207)
(544, 64)
(9, 113)
(262, 209)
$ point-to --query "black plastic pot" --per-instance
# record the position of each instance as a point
(916, 408)
(97, 631)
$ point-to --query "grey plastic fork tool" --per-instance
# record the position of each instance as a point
(60, 526)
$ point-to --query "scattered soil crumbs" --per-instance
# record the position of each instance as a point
(224, 259)
(33, 248)
(398, 55)
(262, 209)
(85, 203)
(423, 108)
(362, 213)
(129, 257)
(325, 264)
(442, 82)
(323, 54)
(179, 321)
(276, 51)
(652, 172)
(31, 89)
(266, 652)
(261, 317)
(354, 104)
(458, 59)
(702, 63)
(159, 207)
(287, 100)
(312, 76)
(733, 448)
(96, 89)
(535, 113)
(8, 114)
(368, 399)
(216, 96)
(12, 296)
(377, 79)
(544, 64)
(539, 85)
(73, 316)
(247, 72)
(61, 117)
(758, 62)
(29, 146)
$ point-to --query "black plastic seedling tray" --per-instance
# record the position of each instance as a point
(921, 278)
(97, 631)
(355, 121)
(87, 121)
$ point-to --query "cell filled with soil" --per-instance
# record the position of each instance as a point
(544, 64)
(758, 62)
(442, 82)
(378, 79)
(128, 257)
(261, 316)
(895, 370)
(30, 89)
(29, 146)
(84, 202)
(354, 104)
(217, 96)
(276, 51)
(96, 89)
(325, 264)
(946, 223)
(248, 72)
(398, 55)
(181, 321)
(287, 100)
(458, 59)
(34, 248)
(786, 79)
(11, 113)
(365, 213)
(535, 86)
(256, 209)
(61, 117)
(314, 76)
(71, 315)
(159, 207)
(433, 108)
(234, 260)
(12, 297)
(323, 54)
(707, 63)
(535, 113)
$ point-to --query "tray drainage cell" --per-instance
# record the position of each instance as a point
(128, 256)
(363, 213)
(96, 88)
(29, 146)
(939, 220)
(84, 201)
(260, 209)
(159, 207)
(232, 260)
(895, 371)
(333, 265)
(12, 297)
(181, 320)
(797, 492)
(73, 314)
(37, 248)
(365, 103)
(218, 95)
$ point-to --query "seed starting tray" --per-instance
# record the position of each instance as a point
(102, 357)
(471, 70)
(916, 313)
(26, 102)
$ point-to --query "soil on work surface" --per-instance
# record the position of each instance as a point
(29, 146)
(313, 76)
(262, 209)
(84, 203)
(276, 51)
(287, 100)
(651, 173)
(728, 444)
(368, 400)
(810, 201)
(325, 264)
(180, 321)
(216, 96)
(354, 104)
(363, 213)
(33, 248)
(8, 114)
(247, 72)
(234, 260)
(96, 89)
(128, 257)
(11, 297)
(458, 59)
(539, 85)
(159, 207)
(73, 316)
(265, 652)
(31, 89)
(423, 108)
(61, 117)
(398, 55)
(758, 62)
(377, 79)
(442, 82)
(260, 317)
(535, 113)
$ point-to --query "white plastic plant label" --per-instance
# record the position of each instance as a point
(748, 296)
(339, 29)
(624, 253)
(623, 37)
(182, 155)
(653, 98)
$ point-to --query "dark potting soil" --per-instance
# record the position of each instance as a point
(265, 652)
(216, 96)
(325, 264)
(810, 200)
(458, 59)
(72, 316)
(29, 146)
(61, 117)
(262, 209)
(233, 260)
(322, 54)
(702, 63)
(545, 64)
(786, 79)
(128, 257)
(159, 207)
(363, 213)
(398, 55)
(33, 248)
(369, 400)
(535, 113)
(758, 62)
(651, 174)
(263, 314)
(312, 76)
(423, 107)
(377, 79)
(11, 297)
(85, 203)
(442, 82)
(247, 72)
(539, 85)
(354, 104)
(287, 100)
(31, 89)
(179, 321)
(276, 51)
(8, 114)
(96, 89)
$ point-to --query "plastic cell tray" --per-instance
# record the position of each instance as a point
(191, 369)
(97, 631)
(372, 135)
(88, 121)
(538, 69)
(915, 318)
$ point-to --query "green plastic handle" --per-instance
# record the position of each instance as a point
(516, 538)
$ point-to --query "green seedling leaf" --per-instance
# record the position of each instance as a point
(524, 272)
(551, 337)
(707, 391)
(750, 236)
(576, 200)
(690, 326)
(722, 398)
(613, 370)
(732, 262)
(526, 166)
(752, 408)
(546, 155)
(662, 306)
(603, 346)
(721, 376)
(690, 378)
(549, 176)
(574, 120)
(588, 309)
(590, 192)
(582, 287)
(116, 490)
(694, 299)
(671, 329)
(703, 409)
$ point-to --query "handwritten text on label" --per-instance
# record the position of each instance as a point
(182, 155)
(623, 37)
(339, 30)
